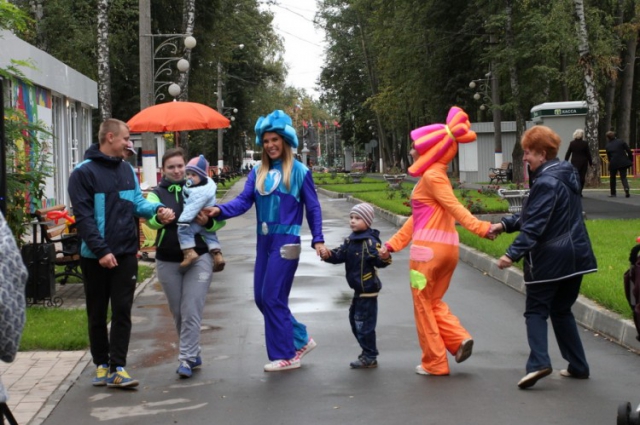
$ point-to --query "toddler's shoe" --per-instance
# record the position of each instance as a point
(190, 255)
(218, 260)
(364, 362)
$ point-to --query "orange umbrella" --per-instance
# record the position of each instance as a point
(177, 116)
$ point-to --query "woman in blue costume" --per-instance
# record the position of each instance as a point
(280, 186)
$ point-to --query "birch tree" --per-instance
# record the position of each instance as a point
(104, 69)
(587, 62)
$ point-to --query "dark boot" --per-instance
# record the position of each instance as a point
(626, 193)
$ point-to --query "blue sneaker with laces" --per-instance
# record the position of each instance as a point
(184, 370)
(197, 362)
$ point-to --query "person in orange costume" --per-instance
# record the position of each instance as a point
(434, 250)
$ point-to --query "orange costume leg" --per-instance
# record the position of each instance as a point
(438, 329)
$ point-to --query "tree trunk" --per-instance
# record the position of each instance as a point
(104, 69)
(586, 61)
(373, 83)
(516, 154)
(626, 88)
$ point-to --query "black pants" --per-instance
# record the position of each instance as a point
(102, 285)
(623, 179)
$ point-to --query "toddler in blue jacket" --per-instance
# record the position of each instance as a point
(199, 192)
(359, 253)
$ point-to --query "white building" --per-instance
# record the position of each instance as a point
(61, 98)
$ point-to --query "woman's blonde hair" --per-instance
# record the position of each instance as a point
(578, 134)
(265, 165)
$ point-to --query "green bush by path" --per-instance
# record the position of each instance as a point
(611, 240)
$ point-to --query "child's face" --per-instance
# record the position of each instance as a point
(194, 177)
(357, 224)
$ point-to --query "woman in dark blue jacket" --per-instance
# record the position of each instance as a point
(557, 252)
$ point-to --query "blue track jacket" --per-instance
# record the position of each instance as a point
(106, 198)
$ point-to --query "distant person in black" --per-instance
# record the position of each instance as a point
(580, 156)
(620, 158)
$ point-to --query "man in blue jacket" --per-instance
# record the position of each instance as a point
(106, 200)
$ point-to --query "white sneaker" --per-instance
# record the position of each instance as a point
(310, 345)
(278, 365)
(420, 370)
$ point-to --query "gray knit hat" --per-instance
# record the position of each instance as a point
(365, 212)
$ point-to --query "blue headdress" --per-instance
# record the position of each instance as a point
(276, 122)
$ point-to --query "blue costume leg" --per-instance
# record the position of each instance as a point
(272, 285)
(300, 335)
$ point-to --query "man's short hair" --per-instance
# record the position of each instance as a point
(110, 125)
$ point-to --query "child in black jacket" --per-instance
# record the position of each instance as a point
(359, 253)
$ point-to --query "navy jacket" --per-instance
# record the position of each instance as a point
(618, 154)
(359, 253)
(553, 238)
(106, 199)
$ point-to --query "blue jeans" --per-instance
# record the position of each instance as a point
(187, 237)
(363, 316)
(554, 300)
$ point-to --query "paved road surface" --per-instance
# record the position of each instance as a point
(232, 389)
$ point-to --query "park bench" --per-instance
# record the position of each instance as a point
(65, 239)
(503, 174)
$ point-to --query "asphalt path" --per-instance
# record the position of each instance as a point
(231, 388)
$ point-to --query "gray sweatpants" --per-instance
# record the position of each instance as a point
(186, 293)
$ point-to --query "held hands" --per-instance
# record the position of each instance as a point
(321, 250)
(165, 215)
(383, 252)
(212, 211)
(202, 218)
(494, 231)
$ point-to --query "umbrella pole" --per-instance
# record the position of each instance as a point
(176, 137)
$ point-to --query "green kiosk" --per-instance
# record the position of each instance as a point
(563, 117)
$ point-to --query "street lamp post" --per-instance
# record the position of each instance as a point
(150, 83)
(484, 85)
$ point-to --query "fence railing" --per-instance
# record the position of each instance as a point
(635, 167)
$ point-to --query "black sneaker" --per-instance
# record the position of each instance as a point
(364, 363)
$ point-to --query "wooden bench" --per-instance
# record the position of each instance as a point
(67, 244)
(217, 176)
(502, 174)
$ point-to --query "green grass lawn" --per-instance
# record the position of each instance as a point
(57, 329)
